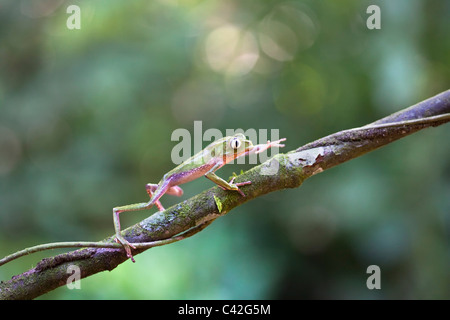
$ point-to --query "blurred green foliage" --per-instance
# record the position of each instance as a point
(86, 118)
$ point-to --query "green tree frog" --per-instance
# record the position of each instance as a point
(204, 163)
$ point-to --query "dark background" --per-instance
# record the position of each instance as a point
(86, 118)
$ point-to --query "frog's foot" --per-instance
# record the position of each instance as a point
(238, 184)
(174, 190)
(263, 147)
(126, 245)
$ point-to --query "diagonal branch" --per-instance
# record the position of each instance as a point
(190, 216)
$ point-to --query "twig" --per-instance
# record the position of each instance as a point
(100, 244)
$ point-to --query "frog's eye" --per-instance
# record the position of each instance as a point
(235, 143)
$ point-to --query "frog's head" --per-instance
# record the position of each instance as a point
(227, 149)
(235, 146)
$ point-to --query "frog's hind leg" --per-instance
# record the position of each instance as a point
(155, 194)
(174, 190)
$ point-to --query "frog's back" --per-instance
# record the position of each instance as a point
(191, 169)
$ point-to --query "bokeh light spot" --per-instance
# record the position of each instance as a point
(231, 51)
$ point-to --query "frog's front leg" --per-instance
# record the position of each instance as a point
(263, 147)
(237, 184)
(227, 185)
(174, 191)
